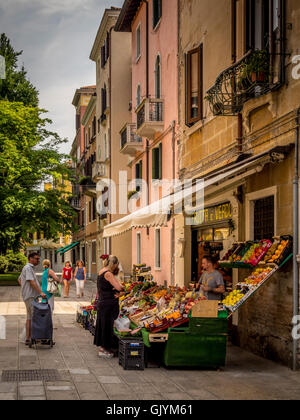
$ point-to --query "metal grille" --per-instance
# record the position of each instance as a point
(264, 218)
(47, 375)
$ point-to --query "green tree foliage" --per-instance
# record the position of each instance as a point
(29, 156)
(15, 87)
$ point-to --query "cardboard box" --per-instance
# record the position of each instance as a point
(205, 309)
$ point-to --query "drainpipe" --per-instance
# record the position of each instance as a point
(240, 133)
(173, 218)
(147, 96)
(110, 118)
(296, 241)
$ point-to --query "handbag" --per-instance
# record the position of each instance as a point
(52, 286)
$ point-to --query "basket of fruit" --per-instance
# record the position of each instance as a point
(281, 251)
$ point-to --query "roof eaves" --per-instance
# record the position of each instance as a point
(128, 12)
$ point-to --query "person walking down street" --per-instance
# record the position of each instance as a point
(109, 291)
(46, 274)
(80, 278)
(67, 278)
(30, 289)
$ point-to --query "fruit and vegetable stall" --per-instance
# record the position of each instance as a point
(153, 314)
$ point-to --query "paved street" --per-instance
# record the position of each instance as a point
(84, 376)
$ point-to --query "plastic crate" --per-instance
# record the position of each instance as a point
(132, 354)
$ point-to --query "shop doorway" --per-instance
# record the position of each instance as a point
(208, 241)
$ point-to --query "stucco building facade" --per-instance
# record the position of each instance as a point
(239, 136)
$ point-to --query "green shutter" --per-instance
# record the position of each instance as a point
(153, 164)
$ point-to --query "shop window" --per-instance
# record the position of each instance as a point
(157, 163)
(194, 89)
(138, 249)
(157, 249)
(264, 224)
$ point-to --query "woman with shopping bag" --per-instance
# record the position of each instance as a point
(50, 283)
(109, 291)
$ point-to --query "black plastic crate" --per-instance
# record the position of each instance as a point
(132, 354)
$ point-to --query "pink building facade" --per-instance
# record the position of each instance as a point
(154, 28)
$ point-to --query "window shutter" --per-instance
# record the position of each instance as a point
(160, 162)
(153, 164)
(103, 56)
(107, 47)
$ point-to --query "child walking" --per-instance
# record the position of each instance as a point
(67, 278)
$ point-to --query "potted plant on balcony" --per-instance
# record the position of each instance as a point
(134, 195)
(258, 66)
(244, 81)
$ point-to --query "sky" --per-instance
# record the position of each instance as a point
(56, 37)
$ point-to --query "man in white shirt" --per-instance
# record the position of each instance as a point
(30, 289)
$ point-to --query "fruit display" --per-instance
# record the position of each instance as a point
(258, 276)
(280, 250)
(271, 252)
(256, 252)
(251, 253)
(233, 298)
(157, 308)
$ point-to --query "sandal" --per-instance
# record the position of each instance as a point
(105, 354)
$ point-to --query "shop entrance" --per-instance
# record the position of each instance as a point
(208, 241)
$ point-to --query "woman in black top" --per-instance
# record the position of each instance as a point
(109, 291)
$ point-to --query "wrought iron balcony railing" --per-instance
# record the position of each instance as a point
(98, 171)
(150, 117)
(249, 78)
(130, 141)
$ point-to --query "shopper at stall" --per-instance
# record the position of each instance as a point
(80, 278)
(109, 291)
(67, 278)
(211, 283)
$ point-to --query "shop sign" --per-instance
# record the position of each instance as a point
(213, 215)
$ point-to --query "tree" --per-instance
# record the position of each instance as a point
(29, 156)
(15, 87)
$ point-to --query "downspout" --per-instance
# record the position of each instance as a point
(147, 96)
(173, 217)
(296, 242)
(110, 114)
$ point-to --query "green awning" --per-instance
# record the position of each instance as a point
(68, 248)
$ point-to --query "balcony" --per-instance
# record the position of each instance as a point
(75, 202)
(249, 78)
(99, 171)
(150, 118)
(131, 143)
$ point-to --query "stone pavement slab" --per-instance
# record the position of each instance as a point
(84, 376)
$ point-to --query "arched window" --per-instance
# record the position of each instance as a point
(158, 77)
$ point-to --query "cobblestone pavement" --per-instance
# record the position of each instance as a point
(84, 376)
